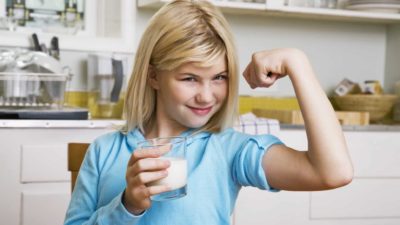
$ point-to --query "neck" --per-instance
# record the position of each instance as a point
(163, 128)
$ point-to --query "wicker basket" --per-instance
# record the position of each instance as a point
(378, 106)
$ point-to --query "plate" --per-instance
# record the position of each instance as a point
(383, 8)
(357, 2)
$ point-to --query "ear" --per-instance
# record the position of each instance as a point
(152, 76)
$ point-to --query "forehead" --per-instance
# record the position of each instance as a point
(216, 66)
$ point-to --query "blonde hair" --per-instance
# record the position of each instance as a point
(180, 32)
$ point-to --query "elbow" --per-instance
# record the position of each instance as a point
(339, 179)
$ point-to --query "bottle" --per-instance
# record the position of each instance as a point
(17, 11)
(372, 87)
(71, 13)
(332, 4)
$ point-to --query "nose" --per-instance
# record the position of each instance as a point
(204, 94)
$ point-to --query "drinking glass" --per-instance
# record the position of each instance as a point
(175, 152)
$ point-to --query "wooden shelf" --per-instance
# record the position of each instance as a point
(273, 9)
(69, 42)
(338, 14)
(231, 7)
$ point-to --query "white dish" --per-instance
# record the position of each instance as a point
(358, 2)
(384, 8)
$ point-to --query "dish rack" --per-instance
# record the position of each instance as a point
(32, 90)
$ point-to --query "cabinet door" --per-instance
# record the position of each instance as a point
(375, 154)
(372, 198)
(35, 186)
(44, 163)
(363, 198)
(258, 207)
(45, 207)
(107, 26)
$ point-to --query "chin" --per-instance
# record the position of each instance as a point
(195, 125)
(195, 121)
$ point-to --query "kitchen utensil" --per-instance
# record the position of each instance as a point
(55, 49)
(44, 62)
(31, 79)
(36, 44)
(106, 84)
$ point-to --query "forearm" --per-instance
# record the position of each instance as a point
(112, 213)
(327, 150)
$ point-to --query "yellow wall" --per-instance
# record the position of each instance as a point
(247, 103)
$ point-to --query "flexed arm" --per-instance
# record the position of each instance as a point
(326, 164)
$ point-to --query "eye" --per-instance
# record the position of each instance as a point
(189, 79)
(221, 77)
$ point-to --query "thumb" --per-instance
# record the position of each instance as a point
(270, 79)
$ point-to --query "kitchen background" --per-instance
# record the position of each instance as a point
(338, 49)
(345, 49)
(340, 44)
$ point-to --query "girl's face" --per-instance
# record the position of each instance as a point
(189, 96)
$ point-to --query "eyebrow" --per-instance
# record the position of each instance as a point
(196, 75)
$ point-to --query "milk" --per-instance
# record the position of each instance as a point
(177, 174)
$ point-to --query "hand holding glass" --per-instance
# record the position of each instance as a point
(175, 152)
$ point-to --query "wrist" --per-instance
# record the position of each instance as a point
(300, 67)
(130, 208)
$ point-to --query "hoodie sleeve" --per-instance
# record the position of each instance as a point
(83, 209)
(247, 166)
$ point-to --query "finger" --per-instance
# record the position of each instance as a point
(252, 78)
(247, 75)
(151, 164)
(246, 72)
(153, 152)
(148, 177)
(143, 193)
(141, 154)
(265, 80)
(271, 79)
(261, 74)
(146, 165)
(158, 189)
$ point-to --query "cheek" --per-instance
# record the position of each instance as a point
(222, 92)
(181, 93)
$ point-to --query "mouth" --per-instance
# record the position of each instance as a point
(200, 111)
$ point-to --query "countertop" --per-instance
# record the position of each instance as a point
(61, 123)
(371, 127)
(117, 123)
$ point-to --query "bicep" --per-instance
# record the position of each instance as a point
(289, 169)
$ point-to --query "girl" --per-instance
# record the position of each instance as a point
(185, 82)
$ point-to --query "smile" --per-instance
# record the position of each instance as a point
(200, 111)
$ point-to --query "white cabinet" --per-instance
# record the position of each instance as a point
(44, 207)
(108, 26)
(363, 198)
(372, 197)
(35, 182)
(278, 8)
(35, 188)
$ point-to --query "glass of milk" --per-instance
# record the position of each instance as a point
(175, 152)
